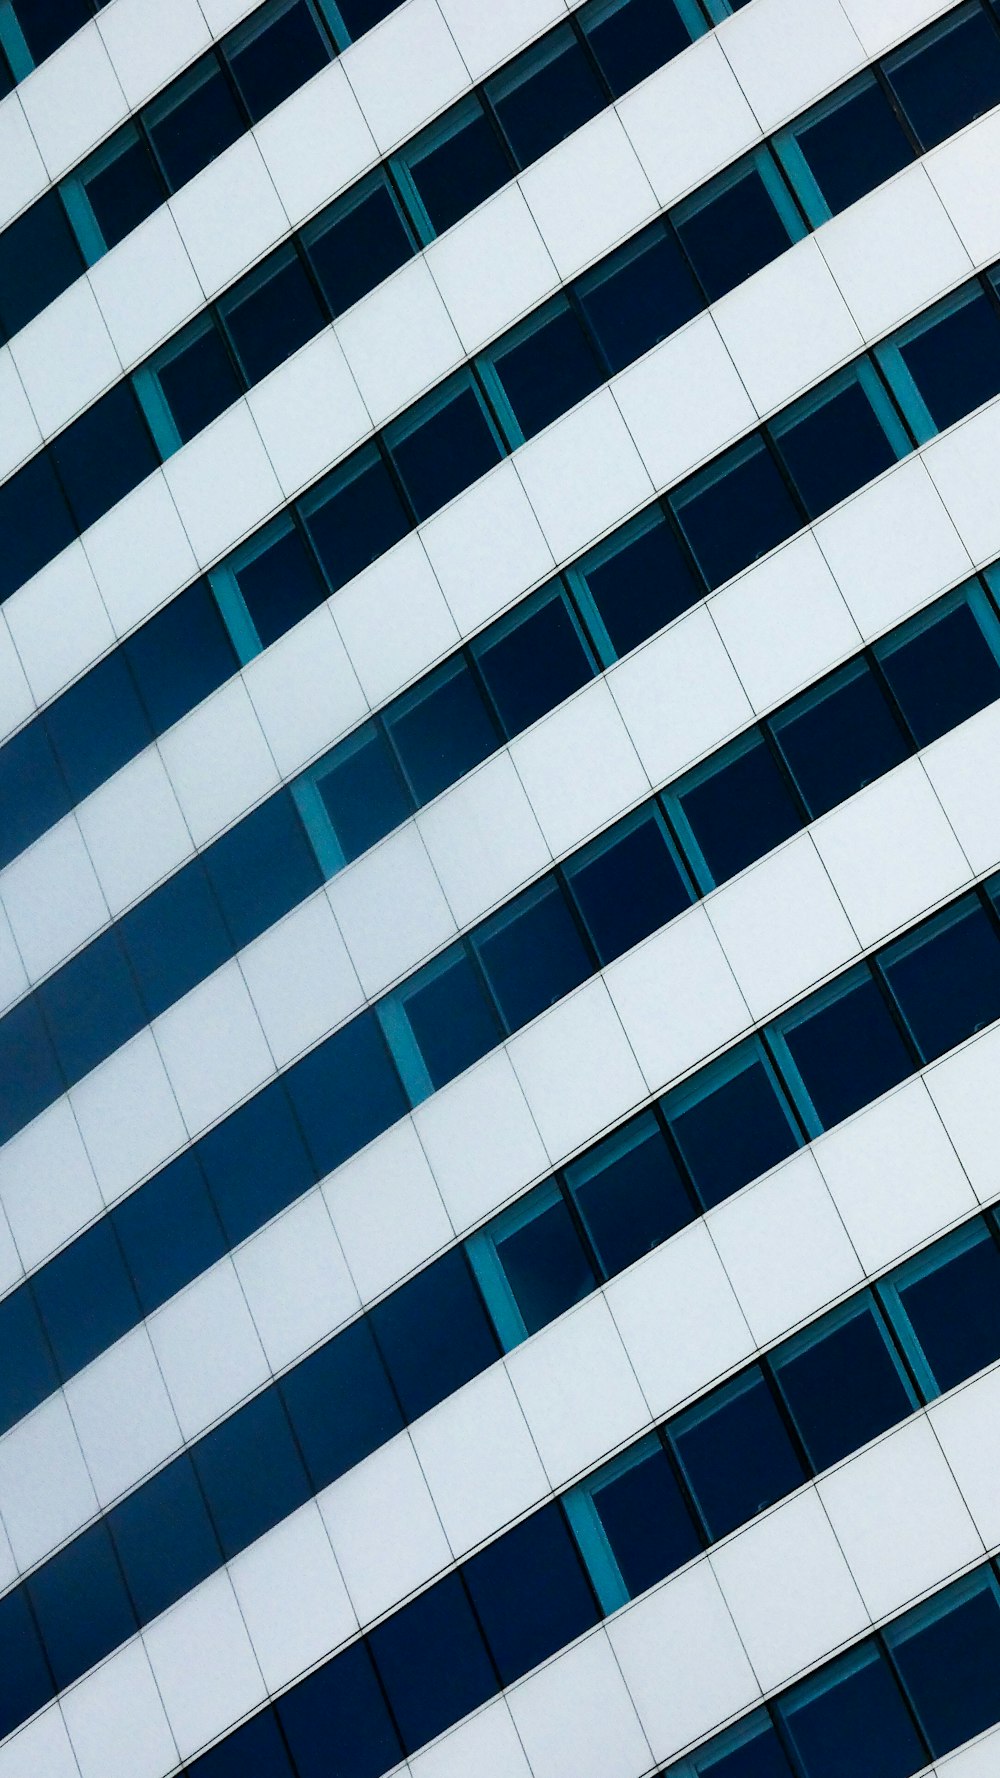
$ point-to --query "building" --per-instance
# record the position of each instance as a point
(500, 888)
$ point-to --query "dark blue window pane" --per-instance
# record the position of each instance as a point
(451, 1016)
(949, 77)
(434, 1334)
(168, 1231)
(545, 95)
(193, 122)
(953, 1306)
(841, 1384)
(731, 231)
(949, 1662)
(839, 737)
(180, 655)
(646, 1522)
(441, 730)
(533, 663)
(942, 672)
(642, 586)
(848, 1050)
(640, 295)
(336, 1721)
(736, 512)
(346, 1092)
(104, 454)
(280, 585)
(836, 447)
(85, 1298)
(630, 1194)
(354, 248)
(98, 725)
(751, 1751)
(730, 1127)
(28, 1067)
(124, 191)
(39, 258)
(91, 1005)
(738, 809)
(856, 146)
(255, 1751)
(852, 1720)
(446, 449)
(360, 15)
(340, 1404)
(48, 23)
(25, 1684)
(631, 38)
(530, 1593)
(255, 1163)
(736, 1453)
(198, 377)
(532, 953)
(627, 885)
(946, 980)
(28, 1373)
(433, 1662)
(6, 77)
(548, 369)
(81, 1605)
(262, 867)
(275, 54)
(955, 363)
(35, 522)
(251, 1472)
(176, 937)
(545, 1264)
(33, 792)
(160, 1568)
(358, 517)
(271, 313)
(456, 166)
(363, 793)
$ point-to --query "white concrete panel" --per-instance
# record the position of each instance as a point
(680, 696)
(45, 1490)
(967, 1426)
(134, 830)
(492, 267)
(961, 172)
(223, 735)
(582, 474)
(116, 1720)
(128, 1116)
(577, 1390)
(292, 1597)
(387, 1211)
(229, 215)
(308, 412)
(677, 997)
(47, 1184)
(963, 1088)
(783, 56)
(204, 1664)
(787, 326)
(486, 547)
(684, 401)
(689, 119)
(481, 1464)
(483, 839)
(144, 527)
(960, 467)
(588, 193)
(123, 1415)
(576, 1715)
(391, 909)
(480, 1139)
(394, 620)
(20, 435)
(487, 36)
(579, 767)
(208, 1348)
(304, 690)
(295, 1281)
(148, 43)
(213, 1047)
(782, 926)
(65, 357)
(52, 898)
(405, 71)
(784, 622)
(301, 979)
(384, 1527)
(893, 251)
(399, 340)
(59, 622)
(316, 143)
(576, 1068)
(964, 769)
(72, 100)
(223, 483)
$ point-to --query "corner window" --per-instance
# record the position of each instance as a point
(628, 883)
(842, 1382)
(103, 455)
(944, 665)
(947, 362)
(358, 792)
(39, 259)
(852, 1717)
(632, 38)
(638, 296)
(736, 1453)
(274, 581)
(840, 437)
(434, 1334)
(355, 515)
(449, 1017)
(197, 379)
(947, 1654)
(533, 659)
(530, 1593)
(441, 729)
(633, 1523)
(532, 1264)
(275, 52)
(636, 582)
(945, 1307)
(544, 367)
(532, 953)
(121, 184)
(271, 313)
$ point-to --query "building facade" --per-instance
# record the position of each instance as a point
(499, 888)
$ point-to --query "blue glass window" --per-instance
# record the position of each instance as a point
(533, 659)
(254, 1751)
(28, 1373)
(945, 977)
(175, 937)
(97, 725)
(444, 444)
(845, 1047)
(545, 95)
(194, 121)
(532, 952)
(356, 244)
(86, 1298)
(750, 1750)
(450, 1015)
(255, 1163)
(530, 1593)
(433, 1662)
(730, 1123)
(736, 1453)
(944, 666)
(262, 867)
(91, 1005)
(948, 75)
(31, 1075)
(35, 522)
(737, 224)
(735, 511)
(341, 1404)
(946, 1307)
(837, 439)
(104, 454)
(629, 1193)
(25, 1682)
(842, 1382)
(168, 1231)
(346, 1092)
(362, 791)
(180, 655)
(952, 357)
(122, 185)
(39, 259)
(336, 1721)
(734, 808)
(545, 1264)
(456, 164)
(847, 146)
(355, 515)
(852, 1718)
(434, 1334)
(81, 1605)
(639, 580)
(161, 1569)
(839, 736)
(645, 1519)
(197, 376)
(271, 312)
(251, 1472)
(48, 23)
(546, 366)
(631, 38)
(638, 296)
(274, 53)
(947, 1654)
(359, 16)
(33, 791)
(441, 729)
(627, 884)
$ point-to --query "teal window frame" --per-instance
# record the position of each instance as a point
(486, 363)
(14, 43)
(817, 1331)
(970, 594)
(585, 1521)
(700, 774)
(893, 365)
(225, 586)
(922, 1265)
(800, 1015)
(864, 375)
(703, 1083)
(451, 123)
(73, 190)
(771, 177)
(790, 155)
(576, 576)
(488, 1267)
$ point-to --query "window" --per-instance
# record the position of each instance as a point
(122, 186)
(345, 1092)
(180, 655)
(277, 580)
(639, 295)
(455, 164)
(843, 1047)
(450, 1016)
(444, 443)
(532, 1264)
(35, 522)
(735, 511)
(545, 366)
(736, 1453)
(33, 791)
(28, 1374)
(194, 121)
(945, 1306)
(532, 953)
(944, 665)
(91, 1005)
(271, 312)
(851, 1717)
(441, 729)
(274, 53)
(85, 1298)
(355, 515)
(358, 242)
(196, 376)
(534, 659)
(433, 1662)
(733, 809)
(530, 1593)
(254, 1751)
(175, 937)
(434, 1334)
(629, 1193)
(48, 23)
(738, 223)
(842, 1382)
(25, 1684)
(731, 1122)
(628, 883)
(360, 15)
(341, 1404)
(250, 1471)
(945, 977)
(161, 1569)
(847, 146)
(947, 1654)
(643, 1519)
(98, 724)
(750, 1750)
(948, 76)
(362, 791)
(255, 1163)
(339, 1707)
(39, 258)
(638, 581)
(168, 1231)
(947, 363)
(631, 38)
(840, 437)
(81, 1605)
(103, 455)
(31, 1075)
(839, 736)
(545, 95)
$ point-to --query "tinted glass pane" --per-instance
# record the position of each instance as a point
(950, 1665)
(848, 1051)
(31, 1075)
(643, 295)
(740, 809)
(198, 378)
(175, 938)
(161, 1569)
(125, 190)
(956, 362)
(736, 1453)
(360, 15)
(736, 513)
(191, 126)
(546, 1265)
(251, 1472)
(530, 1593)
(445, 451)
(644, 584)
(548, 371)
(85, 1298)
(104, 454)
(91, 1005)
(835, 448)
(441, 730)
(953, 76)
(433, 1662)
(953, 1307)
(842, 1385)
(451, 1016)
(455, 172)
(630, 1194)
(855, 147)
(434, 1334)
(839, 737)
(180, 655)
(646, 1522)
(358, 517)
(336, 1722)
(532, 665)
(168, 1231)
(276, 55)
(354, 250)
(81, 1604)
(255, 1163)
(532, 953)
(942, 672)
(363, 793)
(48, 23)
(33, 792)
(98, 725)
(35, 522)
(632, 37)
(262, 867)
(854, 1720)
(948, 983)
(270, 315)
(730, 1130)
(759, 1754)
(340, 1404)
(39, 258)
(346, 1092)
(732, 232)
(28, 1374)
(627, 886)
(24, 1677)
(254, 1751)
(545, 96)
